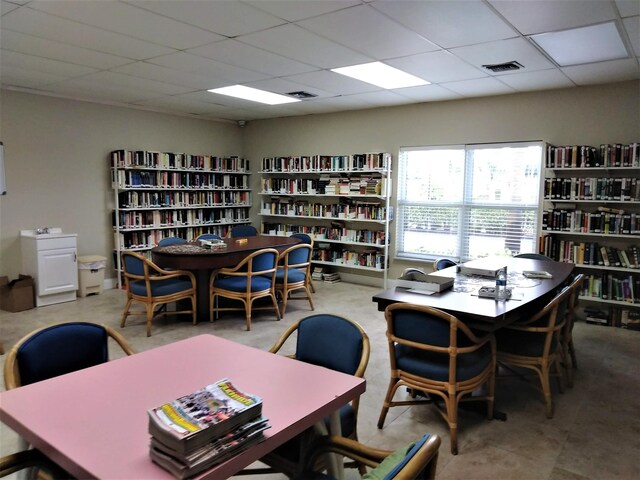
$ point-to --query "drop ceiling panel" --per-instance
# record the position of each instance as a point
(233, 52)
(428, 93)
(45, 65)
(228, 18)
(180, 104)
(135, 83)
(628, 8)
(30, 45)
(501, 51)
(6, 7)
(284, 86)
(437, 67)
(26, 20)
(448, 24)
(131, 21)
(382, 98)
(479, 87)
(332, 82)
(604, 72)
(103, 93)
(169, 75)
(632, 25)
(536, 16)
(294, 11)
(368, 31)
(537, 80)
(19, 77)
(299, 44)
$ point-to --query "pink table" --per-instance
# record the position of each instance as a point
(93, 422)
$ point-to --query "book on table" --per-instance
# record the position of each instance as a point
(200, 417)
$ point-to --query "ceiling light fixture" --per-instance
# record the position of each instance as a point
(381, 75)
(253, 94)
(595, 43)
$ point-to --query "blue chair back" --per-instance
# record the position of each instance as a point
(209, 236)
(171, 241)
(533, 256)
(244, 231)
(303, 237)
(330, 341)
(444, 263)
(264, 261)
(133, 264)
(422, 327)
(300, 255)
(61, 349)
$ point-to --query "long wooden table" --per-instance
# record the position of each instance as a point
(93, 422)
(486, 313)
(202, 261)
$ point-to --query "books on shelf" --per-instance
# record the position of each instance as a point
(199, 430)
(332, 277)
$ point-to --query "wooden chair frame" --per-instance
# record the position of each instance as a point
(31, 459)
(285, 289)
(247, 297)
(566, 337)
(451, 391)
(153, 273)
(11, 367)
(310, 242)
(542, 364)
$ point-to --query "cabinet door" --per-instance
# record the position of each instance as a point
(57, 271)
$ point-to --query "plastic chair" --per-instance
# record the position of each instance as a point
(171, 241)
(532, 256)
(58, 349)
(251, 279)
(243, 231)
(152, 286)
(444, 263)
(294, 274)
(332, 342)
(432, 351)
(534, 344)
(416, 461)
(34, 461)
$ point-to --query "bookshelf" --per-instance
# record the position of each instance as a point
(341, 201)
(591, 218)
(163, 194)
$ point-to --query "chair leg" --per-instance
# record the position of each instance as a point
(149, 317)
(546, 390)
(275, 306)
(393, 386)
(308, 290)
(285, 296)
(451, 405)
(194, 310)
(572, 352)
(126, 312)
(560, 373)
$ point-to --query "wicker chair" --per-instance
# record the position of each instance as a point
(305, 238)
(251, 279)
(33, 461)
(152, 286)
(433, 352)
(566, 336)
(171, 241)
(416, 461)
(533, 256)
(534, 344)
(443, 263)
(294, 275)
(243, 231)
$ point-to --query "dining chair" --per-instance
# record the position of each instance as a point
(243, 231)
(294, 275)
(534, 344)
(329, 341)
(209, 236)
(34, 462)
(416, 461)
(443, 263)
(306, 238)
(566, 335)
(532, 256)
(153, 286)
(253, 278)
(433, 352)
(171, 241)
(58, 349)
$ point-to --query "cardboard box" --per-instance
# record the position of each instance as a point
(17, 295)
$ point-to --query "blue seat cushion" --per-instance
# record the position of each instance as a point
(61, 349)
(239, 284)
(528, 344)
(435, 366)
(160, 288)
(294, 276)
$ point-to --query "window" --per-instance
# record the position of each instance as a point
(468, 201)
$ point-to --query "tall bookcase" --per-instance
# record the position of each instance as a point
(161, 194)
(592, 218)
(342, 201)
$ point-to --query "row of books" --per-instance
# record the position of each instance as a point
(171, 199)
(614, 189)
(336, 232)
(612, 286)
(174, 218)
(321, 274)
(204, 428)
(590, 253)
(628, 318)
(325, 252)
(329, 186)
(586, 156)
(178, 161)
(355, 210)
(580, 221)
(327, 163)
(150, 238)
(164, 179)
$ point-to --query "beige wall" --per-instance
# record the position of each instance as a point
(57, 164)
(56, 151)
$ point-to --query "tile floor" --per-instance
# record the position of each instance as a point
(594, 434)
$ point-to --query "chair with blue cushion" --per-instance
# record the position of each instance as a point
(306, 238)
(152, 286)
(443, 263)
(566, 336)
(209, 236)
(416, 461)
(253, 278)
(534, 344)
(58, 349)
(332, 342)
(433, 352)
(532, 256)
(243, 231)
(34, 462)
(171, 241)
(294, 275)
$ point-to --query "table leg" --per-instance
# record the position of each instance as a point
(336, 462)
(202, 294)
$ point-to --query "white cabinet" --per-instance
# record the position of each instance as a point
(51, 258)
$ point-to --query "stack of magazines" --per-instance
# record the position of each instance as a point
(204, 428)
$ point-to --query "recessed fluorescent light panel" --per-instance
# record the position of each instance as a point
(381, 75)
(254, 95)
(596, 43)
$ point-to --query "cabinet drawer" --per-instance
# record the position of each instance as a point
(55, 242)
